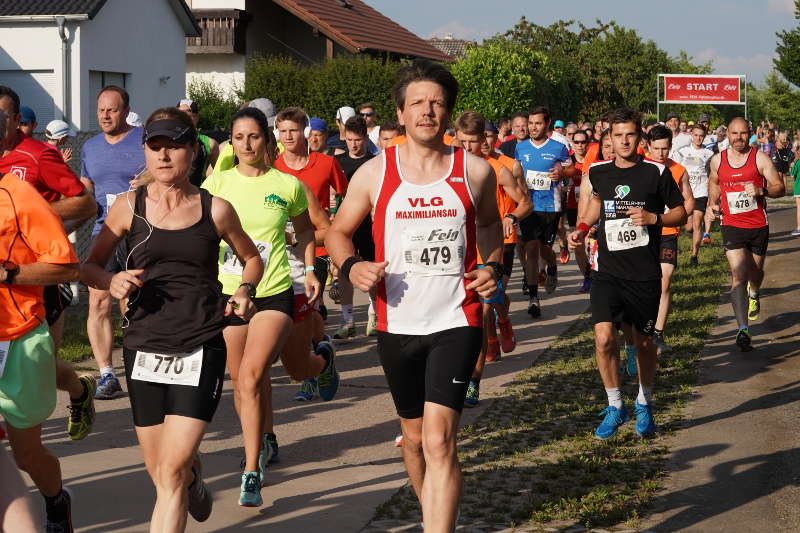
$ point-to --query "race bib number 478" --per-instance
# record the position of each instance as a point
(433, 251)
(622, 234)
(741, 202)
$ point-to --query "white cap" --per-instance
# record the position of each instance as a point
(266, 106)
(56, 129)
(134, 120)
(344, 113)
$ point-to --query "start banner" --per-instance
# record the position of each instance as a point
(688, 89)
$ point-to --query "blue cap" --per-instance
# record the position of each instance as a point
(558, 124)
(491, 126)
(28, 115)
(317, 124)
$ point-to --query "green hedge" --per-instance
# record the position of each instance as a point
(216, 107)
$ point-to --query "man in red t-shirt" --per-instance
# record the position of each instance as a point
(43, 166)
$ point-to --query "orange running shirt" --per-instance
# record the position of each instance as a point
(677, 171)
(401, 139)
(30, 232)
(505, 204)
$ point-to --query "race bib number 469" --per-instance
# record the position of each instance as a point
(740, 202)
(622, 234)
(433, 251)
(538, 181)
(173, 369)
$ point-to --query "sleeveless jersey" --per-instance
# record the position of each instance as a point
(427, 234)
(739, 209)
(677, 170)
(505, 204)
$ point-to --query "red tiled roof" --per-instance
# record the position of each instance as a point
(360, 27)
(452, 47)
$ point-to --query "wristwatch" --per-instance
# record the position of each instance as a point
(251, 289)
(513, 217)
(11, 270)
(658, 220)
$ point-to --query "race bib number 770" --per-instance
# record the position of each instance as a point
(172, 369)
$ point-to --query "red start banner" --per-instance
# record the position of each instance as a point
(686, 89)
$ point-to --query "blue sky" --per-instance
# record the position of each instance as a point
(737, 36)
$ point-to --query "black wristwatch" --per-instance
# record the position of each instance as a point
(11, 272)
(658, 220)
(513, 217)
(497, 267)
(251, 289)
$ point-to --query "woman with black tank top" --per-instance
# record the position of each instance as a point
(173, 348)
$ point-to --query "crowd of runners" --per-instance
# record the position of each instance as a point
(219, 253)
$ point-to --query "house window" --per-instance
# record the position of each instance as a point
(97, 80)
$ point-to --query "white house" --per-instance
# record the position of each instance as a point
(58, 54)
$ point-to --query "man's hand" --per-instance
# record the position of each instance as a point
(313, 287)
(124, 283)
(66, 153)
(483, 282)
(508, 227)
(364, 275)
(576, 238)
(640, 217)
(751, 190)
(556, 173)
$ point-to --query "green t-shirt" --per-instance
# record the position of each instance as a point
(264, 205)
(795, 172)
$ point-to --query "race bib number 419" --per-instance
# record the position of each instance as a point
(622, 234)
(172, 369)
(538, 181)
(433, 251)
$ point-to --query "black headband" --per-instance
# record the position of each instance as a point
(172, 129)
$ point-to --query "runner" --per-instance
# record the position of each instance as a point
(695, 159)
(35, 253)
(680, 137)
(367, 112)
(545, 163)
(795, 172)
(355, 136)
(207, 148)
(44, 168)
(389, 130)
(110, 160)
(429, 314)
(519, 130)
(173, 349)
(16, 509)
(629, 194)
(318, 138)
(580, 143)
(740, 178)
(254, 344)
(27, 121)
(660, 144)
(57, 134)
(513, 204)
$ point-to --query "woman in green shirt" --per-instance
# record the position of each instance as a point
(265, 200)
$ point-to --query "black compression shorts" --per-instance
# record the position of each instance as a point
(56, 299)
(283, 302)
(669, 250)
(621, 300)
(508, 258)
(540, 226)
(700, 204)
(151, 402)
(429, 368)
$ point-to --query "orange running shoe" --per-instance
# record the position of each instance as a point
(564, 258)
(542, 277)
(493, 352)
(507, 339)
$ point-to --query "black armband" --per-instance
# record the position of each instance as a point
(497, 267)
(347, 265)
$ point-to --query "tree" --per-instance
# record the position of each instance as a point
(499, 78)
(776, 101)
(788, 51)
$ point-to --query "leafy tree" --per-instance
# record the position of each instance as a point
(500, 78)
(788, 51)
(776, 101)
(216, 106)
(282, 79)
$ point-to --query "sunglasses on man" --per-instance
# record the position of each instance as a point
(368, 114)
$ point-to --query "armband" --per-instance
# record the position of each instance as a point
(513, 217)
(496, 267)
(310, 268)
(583, 226)
(344, 270)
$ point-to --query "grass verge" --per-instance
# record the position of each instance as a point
(75, 345)
(531, 458)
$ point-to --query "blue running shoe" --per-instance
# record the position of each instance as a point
(630, 356)
(614, 418)
(328, 379)
(308, 388)
(645, 425)
(107, 388)
(250, 495)
(264, 457)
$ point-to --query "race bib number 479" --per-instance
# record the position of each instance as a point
(433, 251)
(622, 234)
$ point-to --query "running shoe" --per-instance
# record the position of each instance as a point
(630, 360)
(613, 418)
(323, 312)
(346, 330)
(508, 341)
(471, 400)
(328, 379)
(372, 325)
(645, 425)
(796, 233)
(551, 283)
(564, 256)
(264, 457)
(63, 510)
(334, 292)
(81, 413)
(308, 389)
(693, 261)
(753, 308)
(398, 441)
(534, 309)
(661, 345)
(273, 442)
(107, 388)
(706, 238)
(525, 290)
(200, 501)
(542, 278)
(250, 495)
(743, 340)
(493, 351)
(586, 286)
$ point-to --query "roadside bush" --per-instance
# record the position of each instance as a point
(216, 107)
(282, 79)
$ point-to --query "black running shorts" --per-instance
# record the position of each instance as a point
(700, 204)
(362, 241)
(429, 368)
(669, 250)
(151, 402)
(283, 302)
(56, 299)
(540, 226)
(508, 258)
(572, 216)
(752, 239)
(622, 300)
